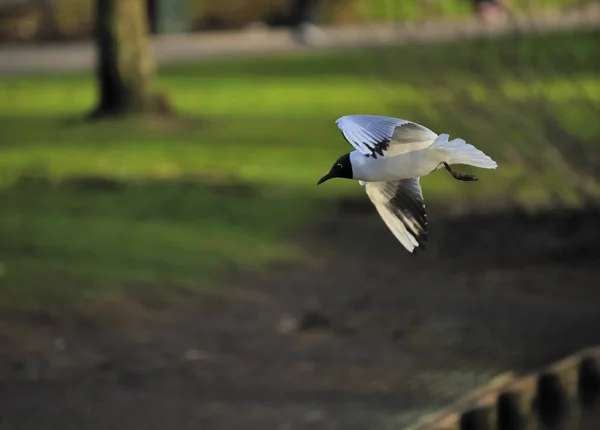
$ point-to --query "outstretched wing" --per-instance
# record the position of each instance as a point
(401, 206)
(374, 134)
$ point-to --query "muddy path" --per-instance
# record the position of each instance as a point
(368, 337)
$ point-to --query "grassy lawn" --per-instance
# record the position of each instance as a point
(92, 210)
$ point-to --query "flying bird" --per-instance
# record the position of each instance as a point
(390, 156)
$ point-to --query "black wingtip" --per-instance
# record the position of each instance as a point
(421, 248)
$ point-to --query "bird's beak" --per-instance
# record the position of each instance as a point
(324, 178)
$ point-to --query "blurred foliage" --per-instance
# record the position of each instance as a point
(74, 18)
(92, 209)
(47, 19)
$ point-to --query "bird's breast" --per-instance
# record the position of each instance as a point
(395, 167)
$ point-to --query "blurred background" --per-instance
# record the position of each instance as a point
(167, 261)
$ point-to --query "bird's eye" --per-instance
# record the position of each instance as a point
(339, 166)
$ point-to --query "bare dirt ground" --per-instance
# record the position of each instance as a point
(369, 338)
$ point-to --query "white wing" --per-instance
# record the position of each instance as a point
(374, 134)
(400, 204)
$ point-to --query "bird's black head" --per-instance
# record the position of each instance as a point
(342, 168)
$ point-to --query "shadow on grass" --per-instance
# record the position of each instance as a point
(89, 235)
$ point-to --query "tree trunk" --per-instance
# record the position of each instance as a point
(125, 66)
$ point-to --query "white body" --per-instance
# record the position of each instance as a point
(417, 159)
(408, 165)
(413, 150)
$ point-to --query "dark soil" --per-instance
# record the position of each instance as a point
(369, 336)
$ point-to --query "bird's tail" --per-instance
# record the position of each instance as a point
(457, 151)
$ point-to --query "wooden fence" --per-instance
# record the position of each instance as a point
(563, 396)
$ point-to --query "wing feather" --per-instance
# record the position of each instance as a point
(374, 134)
(401, 206)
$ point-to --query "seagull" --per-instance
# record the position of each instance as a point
(390, 156)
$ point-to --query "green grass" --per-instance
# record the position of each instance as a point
(227, 189)
(414, 11)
